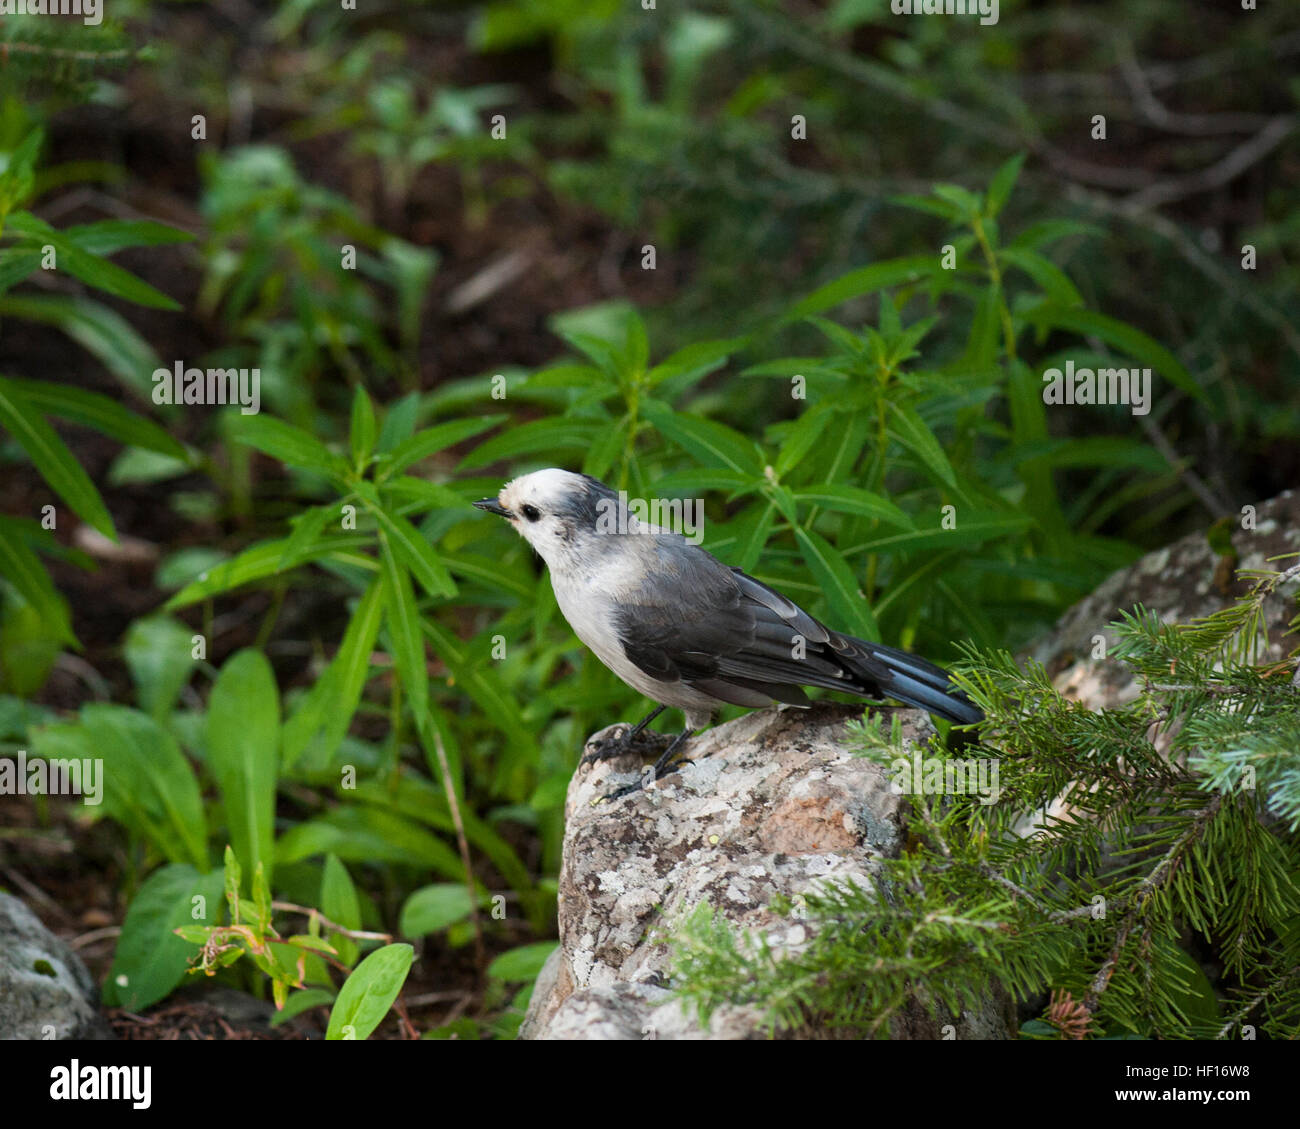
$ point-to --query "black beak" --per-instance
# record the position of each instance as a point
(493, 507)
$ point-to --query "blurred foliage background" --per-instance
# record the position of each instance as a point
(806, 261)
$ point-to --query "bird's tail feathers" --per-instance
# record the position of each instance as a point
(915, 681)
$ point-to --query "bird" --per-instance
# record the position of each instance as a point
(688, 631)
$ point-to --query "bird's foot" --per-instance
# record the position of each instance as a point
(670, 760)
(644, 780)
(619, 740)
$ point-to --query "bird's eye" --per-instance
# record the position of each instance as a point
(531, 513)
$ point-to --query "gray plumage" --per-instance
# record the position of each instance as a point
(686, 630)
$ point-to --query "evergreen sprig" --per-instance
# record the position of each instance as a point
(1132, 848)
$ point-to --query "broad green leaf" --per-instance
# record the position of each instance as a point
(522, 963)
(243, 744)
(416, 554)
(159, 653)
(1053, 281)
(150, 960)
(483, 684)
(1133, 342)
(148, 783)
(848, 609)
(402, 618)
(551, 436)
(433, 440)
(865, 280)
(361, 436)
(914, 434)
(970, 530)
(339, 902)
(92, 270)
(102, 332)
(106, 416)
(308, 998)
(52, 459)
(399, 422)
(1004, 180)
(710, 442)
(22, 568)
(852, 500)
(107, 237)
(432, 908)
(368, 835)
(369, 992)
(331, 703)
(261, 560)
(429, 495)
(290, 445)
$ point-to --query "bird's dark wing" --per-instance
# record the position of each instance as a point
(728, 635)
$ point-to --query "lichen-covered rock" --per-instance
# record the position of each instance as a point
(45, 990)
(1184, 581)
(773, 803)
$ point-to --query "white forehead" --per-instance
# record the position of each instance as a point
(544, 488)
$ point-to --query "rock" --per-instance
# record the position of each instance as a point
(1185, 581)
(773, 803)
(45, 990)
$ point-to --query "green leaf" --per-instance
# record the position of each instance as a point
(832, 572)
(91, 269)
(339, 902)
(106, 416)
(551, 436)
(369, 992)
(865, 280)
(402, 617)
(51, 458)
(260, 560)
(1053, 281)
(1004, 180)
(712, 443)
(368, 835)
(150, 959)
(22, 568)
(429, 495)
(243, 743)
(431, 909)
(304, 1000)
(522, 963)
(102, 332)
(331, 703)
(696, 360)
(969, 531)
(914, 434)
(483, 684)
(361, 437)
(416, 554)
(289, 445)
(148, 783)
(852, 500)
(399, 422)
(107, 237)
(159, 653)
(1130, 341)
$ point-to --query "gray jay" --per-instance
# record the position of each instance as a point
(684, 629)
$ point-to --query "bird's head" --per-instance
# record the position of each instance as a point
(555, 511)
